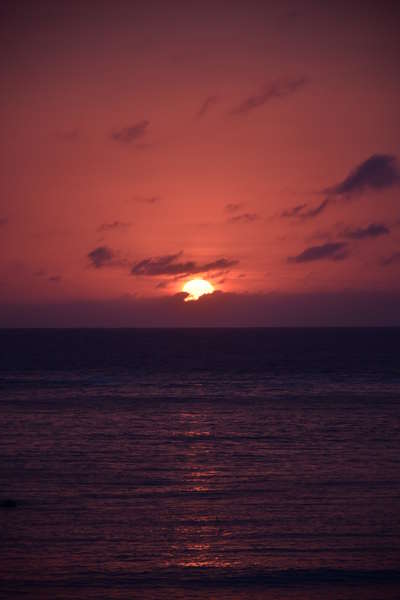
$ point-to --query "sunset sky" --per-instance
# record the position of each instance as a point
(254, 144)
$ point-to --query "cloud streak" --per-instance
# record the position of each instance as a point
(147, 199)
(361, 233)
(130, 134)
(391, 260)
(101, 256)
(378, 172)
(244, 218)
(330, 251)
(293, 212)
(206, 106)
(301, 211)
(311, 213)
(169, 265)
(116, 225)
(276, 90)
(104, 256)
(232, 207)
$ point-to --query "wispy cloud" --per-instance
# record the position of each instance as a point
(170, 265)
(50, 278)
(101, 256)
(275, 90)
(331, 251)
(391, 260)
(233, 207)
(360, 233)
(301, 211)
(147, 199)
(116, 225)
(130, 134)
(244, 218)
(378, 172)
(311, 213)
(293, 212)
(206, 106)
(104, 256)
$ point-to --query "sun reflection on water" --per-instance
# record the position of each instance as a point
(198, 545)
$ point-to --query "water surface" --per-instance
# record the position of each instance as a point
(260, 463)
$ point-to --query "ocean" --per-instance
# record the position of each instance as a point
(200, 464)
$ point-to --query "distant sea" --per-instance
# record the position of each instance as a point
(214, 464)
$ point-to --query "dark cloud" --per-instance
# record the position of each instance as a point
(206, 106)
(332, 251)
(371, 231)
(342, 308)
(51, 278)
(169, 265)
(244, 218)
(314, 212)
(113, 226)
(130, 134)
(302, 212)
(293, 212)
(221, 263)
(378, 172)
(232, 207)
(277, 89)
(159, 265)
(101, 257)
(391, 260)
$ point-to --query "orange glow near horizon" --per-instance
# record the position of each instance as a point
(196, 288)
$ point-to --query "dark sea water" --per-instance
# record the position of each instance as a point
(200, 464)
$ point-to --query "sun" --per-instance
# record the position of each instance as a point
(196, 288)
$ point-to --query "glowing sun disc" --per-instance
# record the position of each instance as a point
(196, 288)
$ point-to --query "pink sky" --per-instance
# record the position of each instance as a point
(146, 142)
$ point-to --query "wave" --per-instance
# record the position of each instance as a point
(203, 577)
(130, 387)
